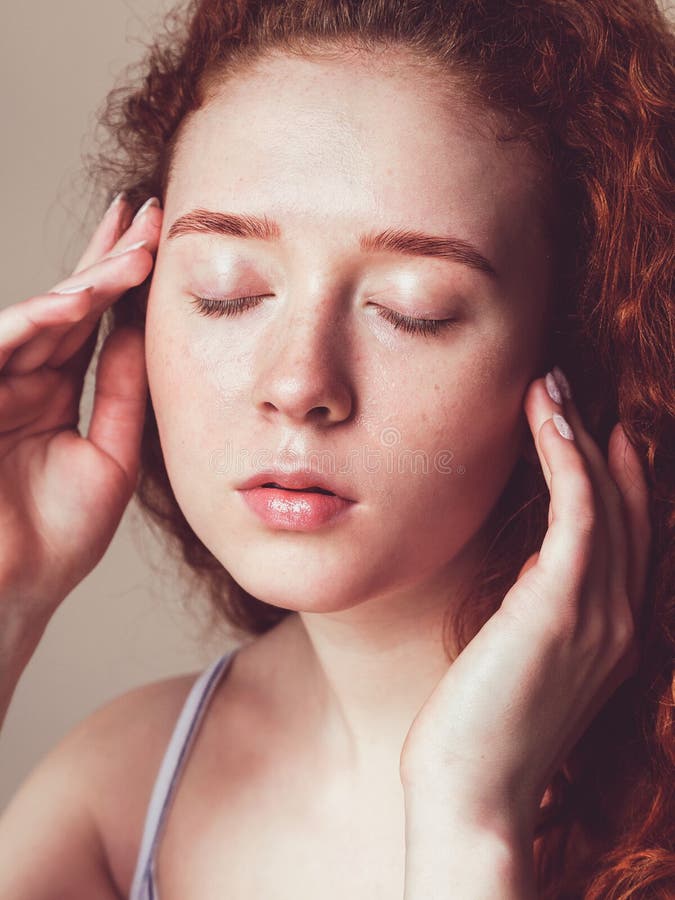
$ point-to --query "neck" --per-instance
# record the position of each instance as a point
(352, 681)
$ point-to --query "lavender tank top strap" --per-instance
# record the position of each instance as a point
(143, 884)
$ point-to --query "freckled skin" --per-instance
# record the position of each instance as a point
(336, 150)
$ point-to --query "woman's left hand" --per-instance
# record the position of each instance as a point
(516, 700)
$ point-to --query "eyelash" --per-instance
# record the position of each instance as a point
(207, 307)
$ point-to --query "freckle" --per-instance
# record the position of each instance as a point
(436, 387)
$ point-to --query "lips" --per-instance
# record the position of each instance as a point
(281, 509)
(300, 481)
(306, 490)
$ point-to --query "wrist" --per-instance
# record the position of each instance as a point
(451, 855)
(468, 864)
(474, 867)
(456, 806)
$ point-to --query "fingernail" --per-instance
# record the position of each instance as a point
(117, 199)
(563, 427)
(152, 201)
(74, 290)
(562, 382)
(552, 388)
(136, 246)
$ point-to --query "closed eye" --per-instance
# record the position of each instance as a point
(414, 326)
(208, 307)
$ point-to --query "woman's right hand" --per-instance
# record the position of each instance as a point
(62, 495)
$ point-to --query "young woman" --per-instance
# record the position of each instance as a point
(396, 277)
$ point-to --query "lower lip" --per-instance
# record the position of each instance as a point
(295, 510)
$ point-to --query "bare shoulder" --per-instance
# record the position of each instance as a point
(94, 784)
(120, 746)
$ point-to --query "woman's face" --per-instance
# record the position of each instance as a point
(421, 430)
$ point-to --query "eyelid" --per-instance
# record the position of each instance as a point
(207, 306)
(413, 325)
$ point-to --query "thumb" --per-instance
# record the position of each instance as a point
(120, 399)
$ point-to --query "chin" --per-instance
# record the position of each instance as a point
(296, 591)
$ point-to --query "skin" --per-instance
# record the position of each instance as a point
(346, 150)
(369, 601)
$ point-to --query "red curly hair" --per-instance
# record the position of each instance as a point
(589, 85)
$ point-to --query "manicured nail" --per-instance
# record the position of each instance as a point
(562, 382)
(563, 426)
(552, 388)
(116, 202)
(74, 290)
(136, 246)
(153, 201)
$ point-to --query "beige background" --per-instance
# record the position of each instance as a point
(123, 625)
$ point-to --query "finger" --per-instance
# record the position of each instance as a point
(113, 224)
(568, 545)
(145, 227)
(33, 354)
(65, 347)
(63, 307)
(111, 277)
(21, 322)
(125, 267)
(615, 514)
(78, 362)
(540, 407)
(628, 473)
(573, 555)
(120, 399)
(612, 537)
(73, 340)
(50, 395)
(23, 398)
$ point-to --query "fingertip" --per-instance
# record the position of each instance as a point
(563, 427)
(117, 201)
(552, 442)
(149, 216)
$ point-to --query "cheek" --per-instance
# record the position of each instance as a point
(191, 396)
(467, 435)
(193, 370)
(472, 407)
(170, 374)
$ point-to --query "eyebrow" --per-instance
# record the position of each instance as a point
(392, 240)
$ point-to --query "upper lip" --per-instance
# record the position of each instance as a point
(298, 478)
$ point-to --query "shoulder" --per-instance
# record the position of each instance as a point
(119, 748)
(124, 742)
(131, 717)
(135, 722)
(94, 784)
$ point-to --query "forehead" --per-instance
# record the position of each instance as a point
(359, 141)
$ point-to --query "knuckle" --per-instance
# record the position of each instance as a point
(562, 618)
(623, 631)
(597, 631)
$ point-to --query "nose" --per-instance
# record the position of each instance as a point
(302, 373)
